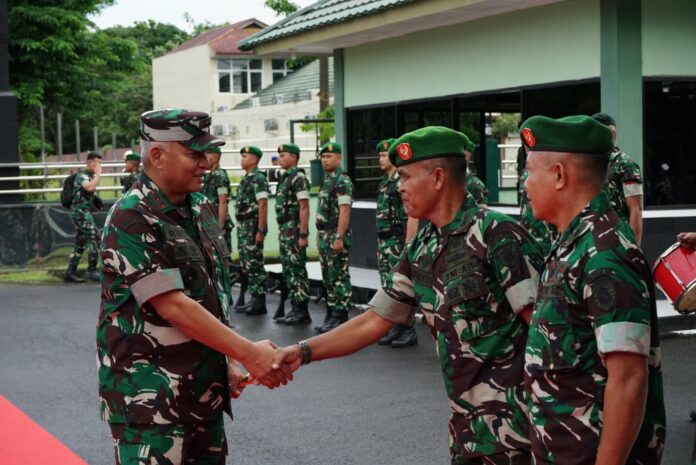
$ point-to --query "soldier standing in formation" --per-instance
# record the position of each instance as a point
(167, 359)
(292, 213)
(251, 210)
(334, 237)
(216, 187)
(394, 230)
(592, 368)
(623, 185)
(83, 204)
(131, 171)
(474, 185)
(473, 273)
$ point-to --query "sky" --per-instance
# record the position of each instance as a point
(126, 12)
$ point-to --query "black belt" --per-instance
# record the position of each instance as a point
(391, 232)
(285, 217)
(245, 216)
(328, 226)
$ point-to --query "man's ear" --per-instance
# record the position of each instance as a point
(561, 175)
(157, 156)
(439, 178)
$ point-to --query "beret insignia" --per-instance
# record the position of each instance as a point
(528, 137)
(405, 152)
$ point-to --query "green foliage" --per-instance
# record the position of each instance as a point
(505, 123)
(199, 28)
(281, 7)
(326, 130)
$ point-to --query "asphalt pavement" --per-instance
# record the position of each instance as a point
(380, 406)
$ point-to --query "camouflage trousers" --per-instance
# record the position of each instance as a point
(334, 274)
(202, 443)
(87, 237)
(388, 253)
(513, 457)
(251, 256)
(294, 261)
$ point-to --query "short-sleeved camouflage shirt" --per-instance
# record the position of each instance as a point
(82, 199)
(293, 186)
(149, 371)
(128, 179)
(623, 180)
(215, 184)
(596, 296)
(470, 279)
(254, 187)
(336, 190)
(390, 208)
(544, 233)
(476, 188)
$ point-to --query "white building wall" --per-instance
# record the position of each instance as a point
(180, 80)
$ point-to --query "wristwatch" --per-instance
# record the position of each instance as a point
(263, 231)
(304, 235)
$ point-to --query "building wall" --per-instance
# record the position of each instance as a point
(669, 35)
(182, 80)
(553, 43)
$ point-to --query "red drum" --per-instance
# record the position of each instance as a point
(675, 275)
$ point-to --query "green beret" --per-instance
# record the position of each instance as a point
(426, 143)
(190, 128)
(471, 147)
(252, 150)
(215, 150)
(132, 156)
(572, 134)
(290, 148)
(384, 145)
(331, 147)
(604, 118)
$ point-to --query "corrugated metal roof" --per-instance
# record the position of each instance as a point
(225, 38)
(294, 87)
(318, 15)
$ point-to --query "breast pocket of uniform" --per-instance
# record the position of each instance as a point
(466, 301)
(189, 259)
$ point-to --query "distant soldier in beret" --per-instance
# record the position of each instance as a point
(251, 211)
(624, 184)
(292, 214)
(592, 368)
(334, 237)
(216, 187)
(83, 204)
(474, 185)
(394, 231)
(473, 273)
(132, 170)
(167, 359)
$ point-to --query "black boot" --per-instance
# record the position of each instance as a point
(240, 304)
(258, 305)
(327, 317)
(299, 314)
(407, 338)
(393, 333)
(70, 276)
(92, 274)
(280, 310)
(337, 319)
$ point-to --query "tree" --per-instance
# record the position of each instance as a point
(504, 124)
(325, 131)
(282, 7)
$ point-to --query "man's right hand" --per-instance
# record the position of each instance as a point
(288, 356)
(687, 239)
(98, 169)
(259, 364)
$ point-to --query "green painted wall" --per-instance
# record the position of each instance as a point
(552, 43)
(669, 38)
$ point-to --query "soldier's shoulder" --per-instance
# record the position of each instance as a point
(495, 225)
(198, 198)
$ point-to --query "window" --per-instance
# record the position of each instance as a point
(239, 76)
(280, 69)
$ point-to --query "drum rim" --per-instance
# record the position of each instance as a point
(668, 251)
(689, 287)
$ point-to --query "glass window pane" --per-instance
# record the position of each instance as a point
(224, 82)
(278, 64)
(240, 65)
(255, 81)
(278, 76)
(224, 64)
(255, 64)
(239, 81)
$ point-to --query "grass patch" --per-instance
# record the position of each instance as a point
(30, 277)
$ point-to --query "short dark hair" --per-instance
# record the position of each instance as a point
(604, 118)
(454, 166)
(93, 155)
(594, 165)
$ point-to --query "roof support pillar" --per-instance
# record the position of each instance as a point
(339, 104)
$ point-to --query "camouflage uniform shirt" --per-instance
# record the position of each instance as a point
(391, 216)
(128, 179)
(470, 279)
(215, 184)
(82, 199)
(623, 180)
(149, 371)
(336, 190)
(596, 296)
(253, 188)
(476, 188)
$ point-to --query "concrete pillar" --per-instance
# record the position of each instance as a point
(339, 106)
(622, 72)
(9, 134)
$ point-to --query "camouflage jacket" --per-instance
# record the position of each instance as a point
(391, 216)
(82, 200)
(253, 188)
(476, 188)
(544, 233)
(293, 186)
(470, 279)
(149, 371)
(336, 190)
(623, 180)
(596, 296)
(215, 184)
(128, 179)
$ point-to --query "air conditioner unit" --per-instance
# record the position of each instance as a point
(270, 124)
(277, 99)
(234, 132)
(255, 101)
(223, 108)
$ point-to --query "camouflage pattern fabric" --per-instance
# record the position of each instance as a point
(623, 180)
(596, 296)
(215, 184)
(514, 457)
(391, 225)
(253, 188)
(470, 279)
(476, 188)
(202, 443)
(149, 371)
(336, 190)
(544, 233)
(293, 186)
(87, 235)
(128, 179)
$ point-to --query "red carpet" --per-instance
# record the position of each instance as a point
(24, 442)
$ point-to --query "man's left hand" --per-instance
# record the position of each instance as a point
(259, 238)
(234, 377)
(338, 245)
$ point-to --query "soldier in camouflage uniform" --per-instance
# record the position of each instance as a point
(623, 184)
(131, 171)
(541, 231)
(166, 357)
(292, 214)
(334, 237)
(394, 231)
(472, 272)
(216, 187)
(474, 185)
(251, 210)
(592, 367)
(83, 204)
